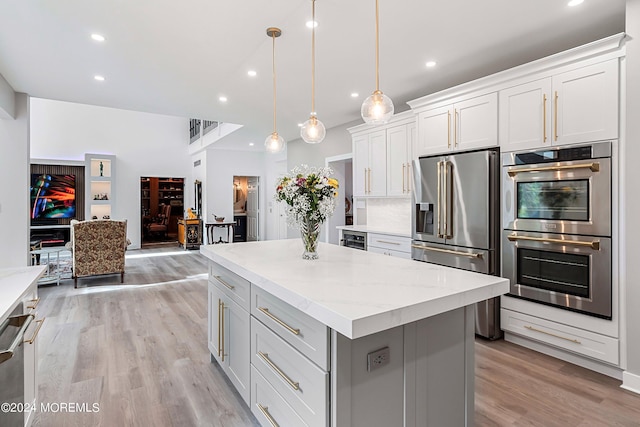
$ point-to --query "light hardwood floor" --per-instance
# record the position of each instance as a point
(139, 351)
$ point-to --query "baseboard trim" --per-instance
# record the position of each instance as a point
(631, 382)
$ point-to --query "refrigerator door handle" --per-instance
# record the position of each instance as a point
(439, 203)
(449, 220)
(446, 199)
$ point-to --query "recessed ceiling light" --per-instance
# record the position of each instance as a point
(222, 99)
(251, 144)
(355, 94)
(97, 37)
(300, 125)
(431, 64)
(574, 2)
(311, 24)
(252, 73)
(99, 78)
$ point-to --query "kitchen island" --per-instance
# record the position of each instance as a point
(351, 339)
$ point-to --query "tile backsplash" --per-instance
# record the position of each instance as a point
(389, 213)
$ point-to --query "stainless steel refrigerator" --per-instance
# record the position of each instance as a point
(455, 219)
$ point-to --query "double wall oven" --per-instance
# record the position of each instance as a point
(556, 239)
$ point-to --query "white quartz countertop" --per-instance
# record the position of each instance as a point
(378, 230)
(14, 283)
(356, 293)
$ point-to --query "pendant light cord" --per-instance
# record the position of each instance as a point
(313, 57)
(273, 61)
(377, 51)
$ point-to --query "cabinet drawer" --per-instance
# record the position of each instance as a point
(301, 384)
(389, 252)
(238, 288)
(573, 339)
(266, 402)
(384, 241)
(306, 334)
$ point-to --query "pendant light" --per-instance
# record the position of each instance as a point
(313, 130)
(378, 107)
(274, 142)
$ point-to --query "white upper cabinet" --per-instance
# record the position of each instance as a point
(467, 124)
(572, 107)
(586, 104)
(400, 140)
(525, 115)
(370, 164)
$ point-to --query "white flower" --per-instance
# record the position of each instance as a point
(309, 193)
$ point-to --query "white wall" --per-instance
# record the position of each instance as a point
(144, 145)
(221, 166)
(7, 100)
(198, 173)
(336, 142)
(14, 196)
(275, 167)
(630, 273)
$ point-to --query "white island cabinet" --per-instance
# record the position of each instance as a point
(19, 296)
(352, 339)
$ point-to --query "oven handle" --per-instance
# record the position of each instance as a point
(448, 251)
(594, 244)
(595, 167)
(23, 321)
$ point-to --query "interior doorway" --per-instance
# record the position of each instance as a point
(161, 204)
(342, 167)
(246, 208)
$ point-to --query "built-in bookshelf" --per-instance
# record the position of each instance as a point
(100, 188)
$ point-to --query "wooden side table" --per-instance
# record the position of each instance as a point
(211, 226)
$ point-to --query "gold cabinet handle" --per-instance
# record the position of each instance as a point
(531, 328)
(369, 180)
(403, 176)
(448, 251)
(265, 412)
(455, 128)
(439, 199)
(555, 116)
(388, 242)
(448, 129)
(35, 333)
(594, 244)
(595, 167)
(219, 279)
(265, 356)
(22, 321)
(222, 329)
(365, 181)
(278, 321)
(33, 303)
(409, 169)
(544, 117)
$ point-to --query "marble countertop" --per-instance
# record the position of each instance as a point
(14, 283)
(367, 229)
(357, 293)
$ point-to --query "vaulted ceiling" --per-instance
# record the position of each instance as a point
(178, 57)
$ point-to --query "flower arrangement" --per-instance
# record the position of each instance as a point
(310, 194)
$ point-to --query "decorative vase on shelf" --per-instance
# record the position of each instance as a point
(310, 231)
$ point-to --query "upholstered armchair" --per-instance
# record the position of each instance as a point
(98, 247)
(161, 222)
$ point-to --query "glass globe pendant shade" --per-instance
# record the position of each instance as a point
(313, 131)
(377, 108)
(274, 143)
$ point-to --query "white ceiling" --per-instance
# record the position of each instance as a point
(178, 57)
